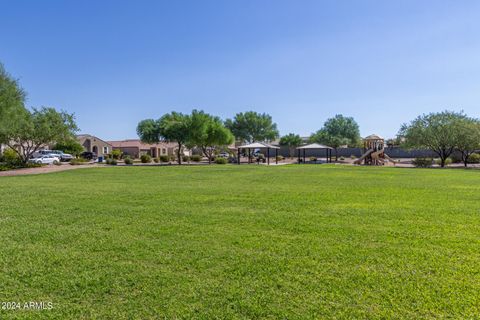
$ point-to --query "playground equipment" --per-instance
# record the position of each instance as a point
(375, 154)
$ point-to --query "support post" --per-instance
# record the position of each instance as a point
(276, 156)
(268, 156)
(238, 155)
(304, 156)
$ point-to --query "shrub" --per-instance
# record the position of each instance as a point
(112, 162)
(280, 158)
(474, 158)
(145, 158)
(128, 160)
(447, 161)
(164, 158)
(80, 161)
(456, 158)
(220, 160)
(156, 160)
(116, 154)
(342, 158)
(185, 158)
(422, 162)
(172, 157)
(353, 157)
(313, 159)
(196, 158)
(10, 157)
(4, 167)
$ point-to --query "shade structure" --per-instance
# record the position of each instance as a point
(328, 150)
(258, 145)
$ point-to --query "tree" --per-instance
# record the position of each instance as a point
(438, 132)
(12, 108)
(207, 133)
(217, 136)
(252, 127)
(71, 146)
(172, 127)
(44, 126)
(336, 132)
(292, 141)
(468, 138)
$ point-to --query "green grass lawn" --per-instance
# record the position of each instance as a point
(242, 242)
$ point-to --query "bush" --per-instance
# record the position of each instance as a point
(342, 158)
(145, 158)
(220, 160)
(456, 158)
(280, 158)
(128, 160)
(164, 158)
(196, 158)
(11, 158)
(156, 160)
(353, 157)
(474, 158)
(313, 159)
(172, 157)
(116, 154)
(79, 161)
(422, 162)
(447, 161)
(112, 162)
(185, 158)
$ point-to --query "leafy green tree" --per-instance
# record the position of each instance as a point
(71, 146)
(217, 136)
(252, 127)
(292, 141)
(174, 127)
(336, 132)
(207, 133)
(12, 109)
(468, 138)
(44, 126)
(438, 132)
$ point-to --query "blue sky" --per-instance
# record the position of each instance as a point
(114, 63)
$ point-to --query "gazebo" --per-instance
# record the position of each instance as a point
(258, 145)
(328, 151)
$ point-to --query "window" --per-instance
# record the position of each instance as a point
(164, 151)
(105, 150)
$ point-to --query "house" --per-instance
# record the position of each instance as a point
(94, 144)
(135, 148)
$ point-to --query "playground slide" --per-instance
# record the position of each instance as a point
(389, 159)
(359, 160)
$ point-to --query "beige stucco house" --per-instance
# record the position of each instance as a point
(135, 148)
(94, 144)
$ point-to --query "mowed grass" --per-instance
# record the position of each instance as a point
(242, 242)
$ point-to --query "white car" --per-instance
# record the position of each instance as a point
(45, 159)
(224, 155)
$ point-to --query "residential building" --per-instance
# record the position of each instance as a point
(135, 148)
(94, 144)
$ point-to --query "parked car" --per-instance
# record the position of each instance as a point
(58, 153)
(45, 159)
(225, 155)
(88, 155)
